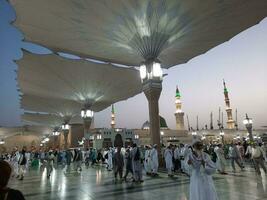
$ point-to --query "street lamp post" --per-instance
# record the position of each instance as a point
(248, 123)
(161, 136)
(194, 134)
(151, 75)
(222, 136)
(136, 137)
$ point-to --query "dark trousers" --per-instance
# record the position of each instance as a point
(128, 169)
(177, 164)
(118, 170)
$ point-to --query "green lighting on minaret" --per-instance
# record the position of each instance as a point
(225, 89)
(177, 92)
(112, 109)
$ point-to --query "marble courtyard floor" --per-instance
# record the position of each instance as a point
(97, 183)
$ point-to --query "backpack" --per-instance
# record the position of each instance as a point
(137, 155)
(106, 156)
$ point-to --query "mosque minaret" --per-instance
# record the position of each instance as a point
(179, 114)
(230, 122)
(112, 123)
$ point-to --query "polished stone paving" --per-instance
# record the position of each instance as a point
(97, 183)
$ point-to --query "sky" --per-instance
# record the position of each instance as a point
(242, 62)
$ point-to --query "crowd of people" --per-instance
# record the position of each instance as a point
(197, 160)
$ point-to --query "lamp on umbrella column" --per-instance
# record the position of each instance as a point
(248, 123)
(222, 136)
(151, 76)
(55, 133)
(87, 116)
(65, 128)
(136, 138)
(194, 134)
(162, 137)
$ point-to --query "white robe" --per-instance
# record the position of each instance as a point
(168, 160)
(201, 183)
(147, 163)
(220, 162)
(154, 160)
(185, 152)
(110, 163)
(176, 153)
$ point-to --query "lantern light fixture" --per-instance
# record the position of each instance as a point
(194, 133)
(136, 137)
(55, 133)
(98, 136)
(86, 113)
(65, 127)
(151, 71)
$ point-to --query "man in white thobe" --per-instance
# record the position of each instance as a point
(258, 156)
(154, 160)
(168, 155)
(220, 162)
(147, 163)
(110, 159)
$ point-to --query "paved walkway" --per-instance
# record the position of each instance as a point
(97, 183)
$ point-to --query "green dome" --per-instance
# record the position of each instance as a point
(162, 122)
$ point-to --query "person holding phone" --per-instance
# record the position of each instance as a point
(202, 167)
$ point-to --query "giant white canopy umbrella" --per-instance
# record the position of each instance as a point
(131, 31)
(24, 130)
(49, 120)
(61, 107)
(54, 77)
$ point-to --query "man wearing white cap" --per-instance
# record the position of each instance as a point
(154, 160)
(168, 155)
(147, 162)
(201, 183)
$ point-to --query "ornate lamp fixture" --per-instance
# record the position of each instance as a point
(65, 127)
(248, 123)
(151, 71)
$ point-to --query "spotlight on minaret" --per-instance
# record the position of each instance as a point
(179, 114)
(112, 123)
(230, 122)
